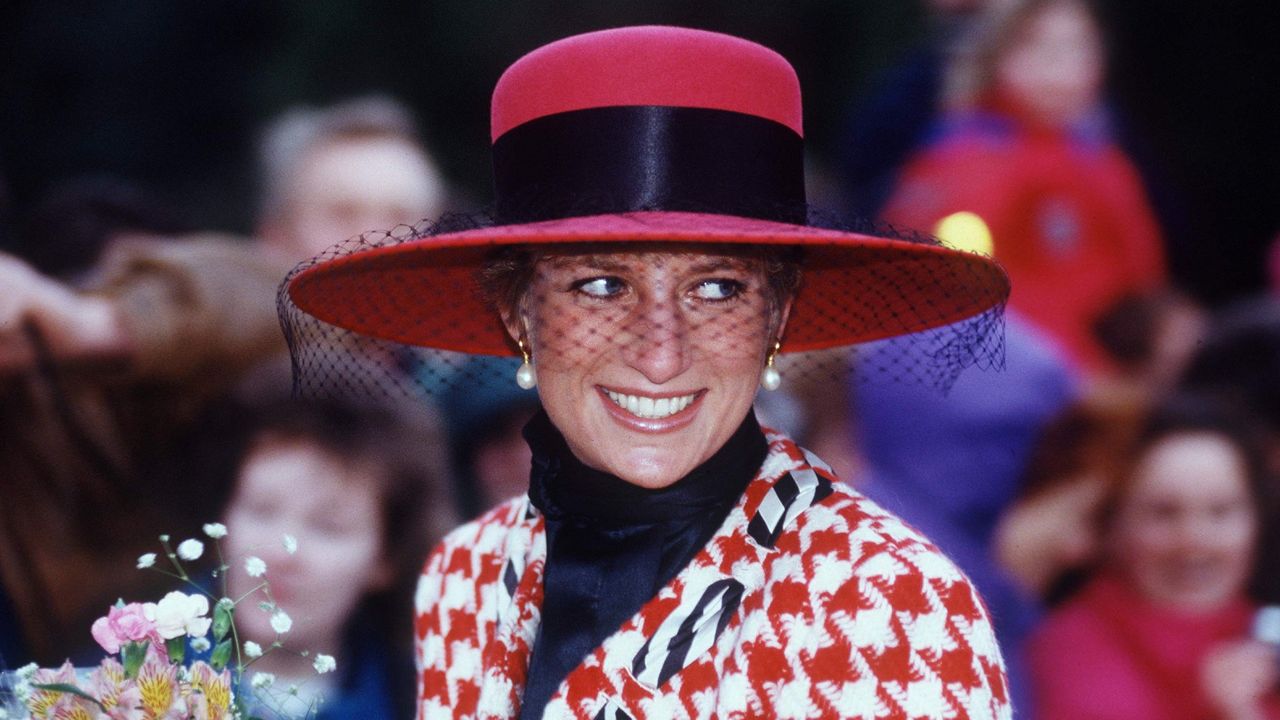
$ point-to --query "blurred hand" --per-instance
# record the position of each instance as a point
(1048, 533)
(1236, 676)
(72, 325)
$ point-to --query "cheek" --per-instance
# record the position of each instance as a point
(1238, 535)
(1138, 542)
(567, 337)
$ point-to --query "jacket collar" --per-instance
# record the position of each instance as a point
(686, 617)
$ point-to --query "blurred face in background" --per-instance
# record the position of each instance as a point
(347, 186)
(331, 507)
(1185, 531)
(1053, 66)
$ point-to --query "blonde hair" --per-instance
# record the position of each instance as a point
(971, 71)
(288, 138)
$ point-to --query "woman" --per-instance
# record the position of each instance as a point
(362, 493)
(1163, 630)
(672, 558)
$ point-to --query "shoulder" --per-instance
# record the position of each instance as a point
(471, 554)
(844, 536)
(485, 535)
(879, 604)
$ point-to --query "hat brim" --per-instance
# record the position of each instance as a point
(854, 288)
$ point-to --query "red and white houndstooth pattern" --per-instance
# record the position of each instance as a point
(810, 601)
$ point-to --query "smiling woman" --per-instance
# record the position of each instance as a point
(648, 260)
(642, 354)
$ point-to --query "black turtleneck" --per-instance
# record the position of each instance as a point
(612, 545)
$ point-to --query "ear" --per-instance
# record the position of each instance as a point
(517, 324)
(784, 313)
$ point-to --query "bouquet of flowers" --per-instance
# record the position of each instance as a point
(171, 659)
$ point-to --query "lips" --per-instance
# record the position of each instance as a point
(648, 407)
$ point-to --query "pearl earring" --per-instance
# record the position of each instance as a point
(770, 378)
(525, 376)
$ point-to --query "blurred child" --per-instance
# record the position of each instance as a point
(1162, 629)
(364, 495)
(1024, 167)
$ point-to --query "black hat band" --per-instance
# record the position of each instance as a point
(622, 159)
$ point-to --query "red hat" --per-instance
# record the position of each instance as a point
(648, 134)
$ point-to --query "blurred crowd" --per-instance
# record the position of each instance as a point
(1112, 492)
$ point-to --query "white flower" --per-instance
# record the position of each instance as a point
(252, 649)
(255, 566)
(4, 714)
(200, 644)
(290, 544)
(190, 549)
(261, 680)
(179, 614)
(28, 671)
(215, 530)
(281, 622)
(324, 664)
(146, 560)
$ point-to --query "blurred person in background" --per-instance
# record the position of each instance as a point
(65, 234)
(103, 383)
(1024, 167)
(330, 174)
(1161, 631)
(1239, 360)
(490, 456)
(952, 465)
(889, 125)
(363, 494)
(1045, 539)
(1150, 337)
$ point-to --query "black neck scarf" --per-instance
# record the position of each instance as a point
(612, 545)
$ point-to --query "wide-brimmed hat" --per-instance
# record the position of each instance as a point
(654, 135)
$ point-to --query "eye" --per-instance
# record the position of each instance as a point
(718, 289)
(600, 287)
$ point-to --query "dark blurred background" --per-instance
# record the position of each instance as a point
(171, 93)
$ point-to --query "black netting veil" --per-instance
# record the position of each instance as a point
(681, 312)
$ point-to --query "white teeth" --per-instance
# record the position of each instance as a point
(651, 408)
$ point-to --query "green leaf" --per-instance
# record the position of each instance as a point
(221, 655)
(177, 648)
(221, 620)
(70, 690)
(134, 653)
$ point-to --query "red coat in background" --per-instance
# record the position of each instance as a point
(1109, 654)
(1067, 215)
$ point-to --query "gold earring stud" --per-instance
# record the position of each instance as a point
(525, 377)
(770, 378)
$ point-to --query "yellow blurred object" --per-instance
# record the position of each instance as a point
(965, 231)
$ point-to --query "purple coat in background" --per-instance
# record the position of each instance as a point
(950, 464)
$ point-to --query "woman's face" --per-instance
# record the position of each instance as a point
(331, 507)
(1054, 67)
(648, 361)
(1185, 532)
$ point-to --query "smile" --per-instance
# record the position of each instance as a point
(650, 408)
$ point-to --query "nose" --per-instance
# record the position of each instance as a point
(1197, 532)
(657, 341)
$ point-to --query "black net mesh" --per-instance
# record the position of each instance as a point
(664, 318)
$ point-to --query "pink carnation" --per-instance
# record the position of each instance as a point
(131, 623)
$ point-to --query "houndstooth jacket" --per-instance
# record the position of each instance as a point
(809, 601)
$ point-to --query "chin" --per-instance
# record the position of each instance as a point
(650, 468)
